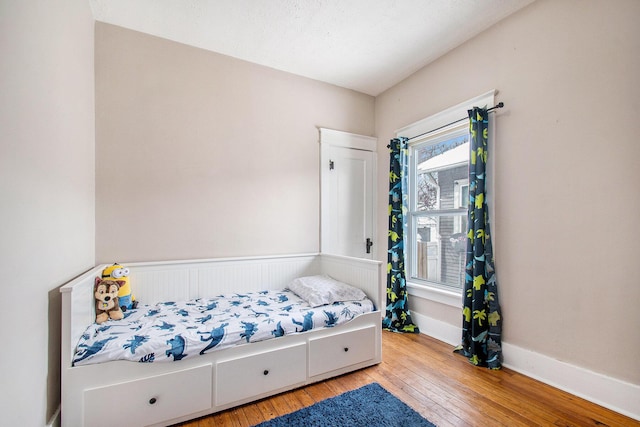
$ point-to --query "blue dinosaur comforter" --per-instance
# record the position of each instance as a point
(172, 331)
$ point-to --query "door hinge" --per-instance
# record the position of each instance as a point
(369, 244)
(331, 165)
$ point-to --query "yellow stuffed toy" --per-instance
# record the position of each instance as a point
(121, 274)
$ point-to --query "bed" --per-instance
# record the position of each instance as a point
(219, 374)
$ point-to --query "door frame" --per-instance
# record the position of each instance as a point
(335, 138)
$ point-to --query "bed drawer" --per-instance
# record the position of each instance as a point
(238, 379)
(340, 350)
(150, 400)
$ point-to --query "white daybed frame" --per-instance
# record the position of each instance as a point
(125, 393)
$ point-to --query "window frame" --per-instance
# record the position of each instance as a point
(450, 132)
(420, 132)
(458, 201)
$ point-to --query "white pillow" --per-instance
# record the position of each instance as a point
(322, 290)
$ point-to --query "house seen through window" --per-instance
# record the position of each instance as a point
(439, 196)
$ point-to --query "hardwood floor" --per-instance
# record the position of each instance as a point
(443, 387)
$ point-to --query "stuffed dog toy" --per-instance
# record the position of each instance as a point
(106, 295)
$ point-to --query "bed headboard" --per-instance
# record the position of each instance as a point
(153, 282)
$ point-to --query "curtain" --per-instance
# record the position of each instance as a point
(481, 316)
(398, 317)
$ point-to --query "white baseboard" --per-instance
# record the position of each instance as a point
(437, 329)
(617, 395)
(612, 393)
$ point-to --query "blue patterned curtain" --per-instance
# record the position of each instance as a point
(481, 316)
(398, 317)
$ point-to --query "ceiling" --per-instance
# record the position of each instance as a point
(364, 45)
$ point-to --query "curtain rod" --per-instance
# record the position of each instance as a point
(498, 105)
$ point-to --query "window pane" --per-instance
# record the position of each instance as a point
(438, 167)
(464, 196)
(440, 249)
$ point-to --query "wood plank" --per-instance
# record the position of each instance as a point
(266, 409)
(252, 414)
(320, 391)
(283, 404)
(443, 387)
(302, 397)
(238, 415)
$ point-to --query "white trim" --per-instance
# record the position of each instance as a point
(447, 116)
(348, 140)
(612, 393)
(437, 329)
(436, 294)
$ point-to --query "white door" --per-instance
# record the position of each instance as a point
(347, 195)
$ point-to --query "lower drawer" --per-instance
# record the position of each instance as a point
(150, 400)
(337, 351)
(238, 379)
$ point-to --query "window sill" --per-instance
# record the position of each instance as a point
(442, 296)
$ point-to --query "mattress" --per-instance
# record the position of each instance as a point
(172, 331)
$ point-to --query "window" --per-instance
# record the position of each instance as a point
(439, 193)
(438, 201)
(460, 200)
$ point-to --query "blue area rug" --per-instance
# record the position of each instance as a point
(370, 405)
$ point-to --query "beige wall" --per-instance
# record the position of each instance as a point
(192, 149)
(202, 155)
(47, 188)
(567, 169)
